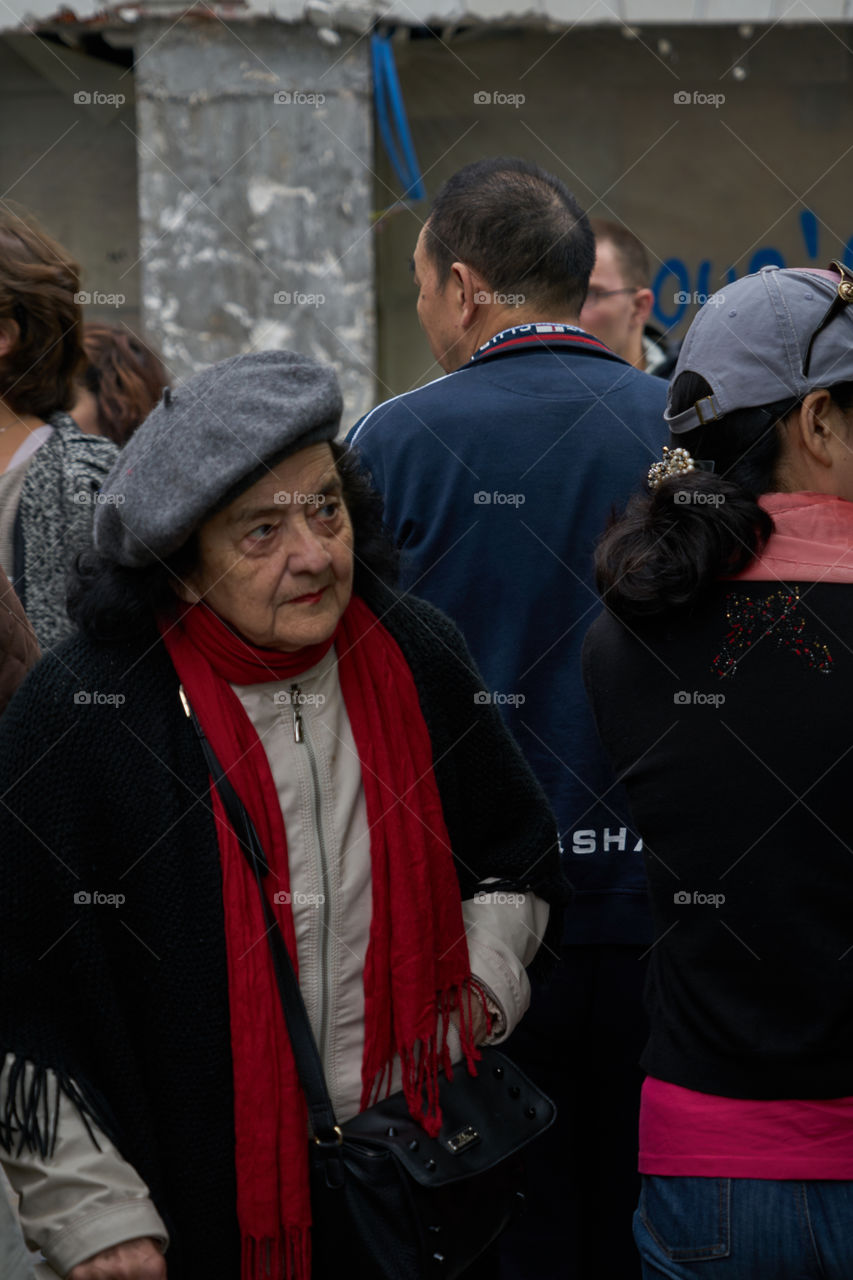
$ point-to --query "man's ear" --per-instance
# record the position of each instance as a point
(471, 292)
(644, 300)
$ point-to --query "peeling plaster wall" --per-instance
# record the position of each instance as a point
(71, 164)
(255, 155)
(713, 190)
(575, 13)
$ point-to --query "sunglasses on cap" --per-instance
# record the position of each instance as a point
(843, 298)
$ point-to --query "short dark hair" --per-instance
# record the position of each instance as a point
(38, 283)
(518, 226)
(112, 602)
(630, 251)
(125, 376)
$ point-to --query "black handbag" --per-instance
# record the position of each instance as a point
(388, 1201)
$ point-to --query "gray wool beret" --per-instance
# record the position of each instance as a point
(206, 442)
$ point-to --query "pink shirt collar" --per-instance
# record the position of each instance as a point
(812, 542)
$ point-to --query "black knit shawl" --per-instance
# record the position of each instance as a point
(129, 1003)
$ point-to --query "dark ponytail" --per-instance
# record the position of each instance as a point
(675, 540)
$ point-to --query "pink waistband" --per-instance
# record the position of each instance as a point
(689, 1134)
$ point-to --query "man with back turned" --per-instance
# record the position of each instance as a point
(497, 479)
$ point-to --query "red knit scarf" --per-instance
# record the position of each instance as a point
(417, 963)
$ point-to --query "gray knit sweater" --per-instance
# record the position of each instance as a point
(54, 522)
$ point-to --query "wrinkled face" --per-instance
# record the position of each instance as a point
(436, 310)
(612, 319)
(277, 563)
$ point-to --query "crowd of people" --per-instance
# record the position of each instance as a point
(528, 690)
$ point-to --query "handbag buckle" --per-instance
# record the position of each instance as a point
(338, 1139)
(462, 1140)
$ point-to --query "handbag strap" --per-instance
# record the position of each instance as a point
(309, 1066)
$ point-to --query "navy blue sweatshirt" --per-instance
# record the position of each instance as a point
(497, 480)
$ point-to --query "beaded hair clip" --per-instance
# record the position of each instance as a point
(676, 462)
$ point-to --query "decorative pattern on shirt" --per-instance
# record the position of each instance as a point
(776, 616)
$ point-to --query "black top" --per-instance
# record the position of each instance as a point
(129, 1003)
(731, 727)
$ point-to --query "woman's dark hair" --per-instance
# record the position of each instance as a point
(112, 602)
(676, 540)
(39, 282)
(124, 375)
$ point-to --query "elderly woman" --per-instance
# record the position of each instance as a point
(721, 678)
(238, 573)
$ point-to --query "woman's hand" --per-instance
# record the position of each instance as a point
(133, 1260)
(479, 1019)
(479, 1022)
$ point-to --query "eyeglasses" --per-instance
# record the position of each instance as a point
(594, 294)
(842, 299)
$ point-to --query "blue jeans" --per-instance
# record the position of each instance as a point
(744, 1229)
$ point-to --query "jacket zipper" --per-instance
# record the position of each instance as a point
(300, 736)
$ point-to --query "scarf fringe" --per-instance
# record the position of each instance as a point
(30, 1116)
(421, 1063)
(288, 1257)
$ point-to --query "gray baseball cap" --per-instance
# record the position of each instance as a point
(767, 337)
(205, 442)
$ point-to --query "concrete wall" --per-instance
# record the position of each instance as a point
(255, 189)
(753, 167)
(243, 198)
(413, 12)
(73, 163)
(617, 13)
(217, 196)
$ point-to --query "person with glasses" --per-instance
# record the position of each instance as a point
(721, 676)
(619, 300)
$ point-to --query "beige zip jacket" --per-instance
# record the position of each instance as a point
(82, 1201)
